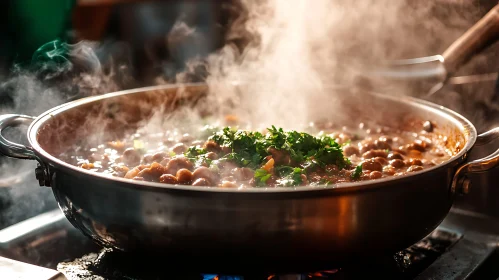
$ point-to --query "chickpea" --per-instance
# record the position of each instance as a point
(375, 175)
(201, 182)
(168, 179)
(184, 176)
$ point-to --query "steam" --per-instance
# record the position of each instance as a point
(296, 53)
(58, 73)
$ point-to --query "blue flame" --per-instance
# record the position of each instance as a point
(220, 277)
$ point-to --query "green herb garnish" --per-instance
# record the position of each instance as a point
(261, 177)
(357, 172)
(250, 149)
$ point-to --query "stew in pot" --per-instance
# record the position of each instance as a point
(229, 157)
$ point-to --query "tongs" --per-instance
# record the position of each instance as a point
(440, 68)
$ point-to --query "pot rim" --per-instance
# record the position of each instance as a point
(457, 119)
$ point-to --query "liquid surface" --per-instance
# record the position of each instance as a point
(228, 157)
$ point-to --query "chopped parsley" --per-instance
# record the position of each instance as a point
(261, 177)
(357, 172)
(251, 149)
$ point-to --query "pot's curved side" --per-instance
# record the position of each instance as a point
(323, 226)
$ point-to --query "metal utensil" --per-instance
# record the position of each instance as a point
(439, 68)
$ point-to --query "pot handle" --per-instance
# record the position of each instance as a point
(460, 181)
(482, 34)
(9, 148)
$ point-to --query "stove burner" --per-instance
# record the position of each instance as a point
(406, 264)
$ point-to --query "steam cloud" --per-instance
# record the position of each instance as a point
(295, 52)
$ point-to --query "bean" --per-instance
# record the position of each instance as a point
(153, 172)
(158, 157)
(131, 157)
(229, 184)
(186, 138)
(304, 180)
(395, 155)
(350, 150)
(204, 173)
(134, 171)
(414, 161)
(366, 146)
(147, 158)
(382, 145)
(211, 155)
(415, 154)
(389, 170)
(211, 146)
(168, 179)
(372, 165)
(375, 153)
(201, 182)
(375, 175)
(243, 174)
(280, 157)
(178, 163)
(428, 126)
(381, 160)
(386, 139)
(415, 146)
(414, 168)
(397, 163)
(184, 176)
(179, 148)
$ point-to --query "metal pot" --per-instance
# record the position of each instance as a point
(311, 227)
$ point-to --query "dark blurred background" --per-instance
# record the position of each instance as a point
(143, 41)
